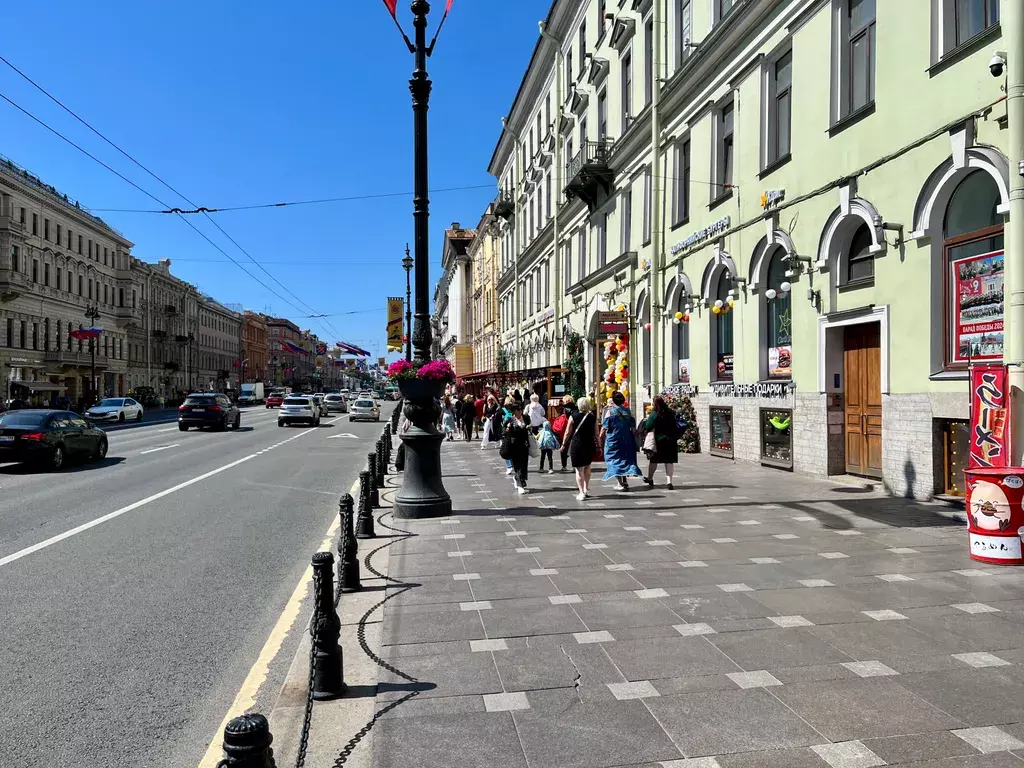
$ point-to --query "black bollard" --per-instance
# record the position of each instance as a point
(379, 468)
(328, 677)
(371, 465)
(348, 554)
(400, 458)
(364, 523)
(382, 457)
(247, 741)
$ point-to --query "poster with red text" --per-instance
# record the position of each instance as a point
(977, 322)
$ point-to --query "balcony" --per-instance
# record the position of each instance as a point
(588, 173)
(158, 334)
(171, 309)
(9, 224)
(127, 316)
(12, 285)
(64, 357)
(503, 206)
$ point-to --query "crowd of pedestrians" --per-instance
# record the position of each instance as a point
(519, 427)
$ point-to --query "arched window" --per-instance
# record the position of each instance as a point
(973, 268)
(860, 263)
(778, 321)
(721, 331)
(644, 318)
(681, 343)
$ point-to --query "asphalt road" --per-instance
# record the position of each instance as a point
(125, 643)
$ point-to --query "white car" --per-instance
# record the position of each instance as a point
(335, 403)
(364, 408)
(298, 409)
(116, 409)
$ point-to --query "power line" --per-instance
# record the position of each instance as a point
(153, 197)
(205, 210)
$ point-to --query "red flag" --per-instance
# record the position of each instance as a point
(392, 6)
(448, 7)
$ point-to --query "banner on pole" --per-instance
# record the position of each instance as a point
(988, 417)
(396, 307)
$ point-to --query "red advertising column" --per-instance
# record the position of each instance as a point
(995, 491)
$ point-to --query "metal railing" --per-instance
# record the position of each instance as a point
(591, 153)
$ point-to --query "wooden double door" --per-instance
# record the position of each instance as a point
(862, 363)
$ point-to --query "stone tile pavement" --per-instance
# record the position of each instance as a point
(748, 619)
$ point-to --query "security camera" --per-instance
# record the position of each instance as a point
(997, 64)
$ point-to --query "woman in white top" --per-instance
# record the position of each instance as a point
(535, 413)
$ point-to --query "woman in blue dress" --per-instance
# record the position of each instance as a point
(619, 443)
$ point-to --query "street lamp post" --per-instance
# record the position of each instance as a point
(407, 266)
(422, 493)
(92, 314)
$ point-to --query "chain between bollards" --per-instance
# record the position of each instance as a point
(348, 550)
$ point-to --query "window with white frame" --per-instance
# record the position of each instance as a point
(583, 131)
(547, 196)
(627, 89)
(778, 321)
(626, 217)
(568, 69)
(860, 263)
(684, 30)
(778, 107)
(958, 22)
(853, 59)
(602, 115)
(648, 61)
(723, 150)
(681, 184)
(647, 207)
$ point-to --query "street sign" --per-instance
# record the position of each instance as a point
(612, 322)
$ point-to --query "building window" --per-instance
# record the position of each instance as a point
(626, 218)
(79, 245)
(35, 335)
(46, 274)
(14, 259)
(35, 271)
(120, 297)
(46, 229)
(682, 343)
(972, 17)
(648, 61)
(583, 43)
(105, 297)
(583, 251)
(627, 90)
(58, 234)
(23, 334)
(21, 218)
(79, 285)
(647, 206)
(973, 251)
(956, 445)
(602, 240)
(35, 223)
(723, 155)
(567, 262)
(780, 108)
(853, 60)
(46, 335)
(721, 330)
(60, 282)
(602, 116)
(547, 282)
(722, 8)
(860, 264)
(583, 132)
(778, 321)
(568, 70)
(721, 431)
(70, 238)
(90, 289)
(777, 438)
(681, 186)
(684, 30)
(547, 196)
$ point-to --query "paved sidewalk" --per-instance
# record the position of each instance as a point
(749, 618)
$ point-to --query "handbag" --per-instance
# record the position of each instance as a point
(534, 447)
(650, 443)
(505, 448)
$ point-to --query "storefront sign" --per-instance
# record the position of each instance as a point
(978, 307)
(689, 390)
(988, 416)
(612, 322)
(548, 314)
(772, 198)
(761, 389)
(701, 235)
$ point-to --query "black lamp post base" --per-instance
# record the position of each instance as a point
(422, 494)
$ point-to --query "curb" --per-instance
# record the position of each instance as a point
(334, 723)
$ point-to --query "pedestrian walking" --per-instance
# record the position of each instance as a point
(560, 424)
(548, 443)
(618, 430)
(581, 443)
(478, 418)
(448, 418)
(515, 446)
(492, 424)
(661, 443)
(504, 416)
(468, 411)
(535, 412)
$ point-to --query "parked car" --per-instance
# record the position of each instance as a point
(49, 438)
(208, 409)
(119, 409)
(299, 409)
(364, 409)
(274, 399)
(335, 403)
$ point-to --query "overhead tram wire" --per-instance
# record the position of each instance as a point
(88, 125)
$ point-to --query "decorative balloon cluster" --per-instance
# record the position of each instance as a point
(681, 317)
(616, 372)
(721, 307)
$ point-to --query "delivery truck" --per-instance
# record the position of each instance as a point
(251, 394)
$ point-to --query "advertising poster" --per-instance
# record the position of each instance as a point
(684, 371)
(395, 309)
(977, 322)
(725, 367)
(780, 362)
(988, 417)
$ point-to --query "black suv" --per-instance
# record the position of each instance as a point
(208, 410)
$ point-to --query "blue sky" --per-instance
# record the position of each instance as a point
(238, 103)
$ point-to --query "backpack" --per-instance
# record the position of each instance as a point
(559, 424)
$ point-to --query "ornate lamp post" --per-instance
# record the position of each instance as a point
(422, 493)
(92, 313)
(407, 266)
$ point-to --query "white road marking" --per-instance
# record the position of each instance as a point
(161, 448)
(344, 434)
(169, 429)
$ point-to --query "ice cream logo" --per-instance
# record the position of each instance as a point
(990, 511)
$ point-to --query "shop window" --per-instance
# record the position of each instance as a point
(956, 446)
(860, 263)
(682, 346)
(722, 333)
(778, 322)
(721, 431)
(777, 438)
(973, 273)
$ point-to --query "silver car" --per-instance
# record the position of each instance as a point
(364, 409)
(298, 409)
(335, 403)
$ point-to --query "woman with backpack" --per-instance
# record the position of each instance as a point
(560, 424)
(660, 441)
(515, 445)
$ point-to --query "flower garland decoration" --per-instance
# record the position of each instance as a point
(616, 372)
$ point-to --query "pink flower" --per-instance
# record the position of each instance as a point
(400, 369)
(437, 370)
